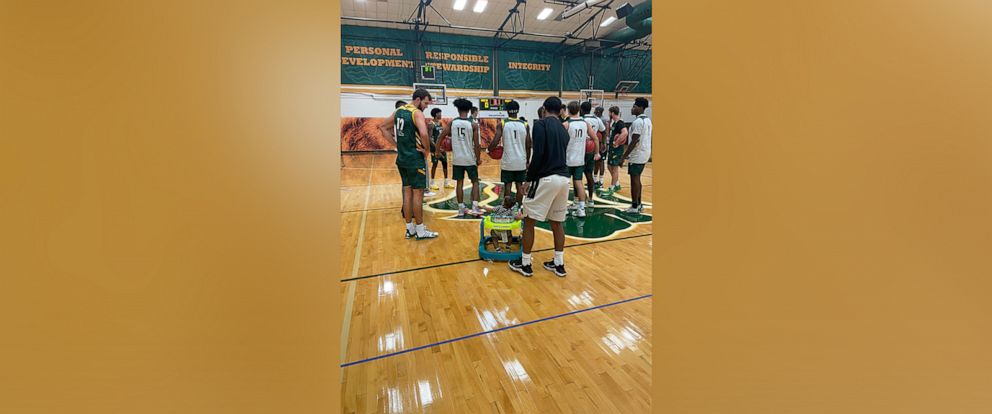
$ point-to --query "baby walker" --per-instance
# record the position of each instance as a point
(506, 228)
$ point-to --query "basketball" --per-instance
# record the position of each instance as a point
(620, 140)
(590, 146)
(496, 153)
(446, 145)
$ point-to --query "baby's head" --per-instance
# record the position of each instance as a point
(508, 202)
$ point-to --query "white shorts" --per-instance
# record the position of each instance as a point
(548, 199)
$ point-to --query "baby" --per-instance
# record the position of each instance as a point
(503, 214)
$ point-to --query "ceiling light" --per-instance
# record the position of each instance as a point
(607, 22)
(460, 4)
(544, 13)
(480, 6)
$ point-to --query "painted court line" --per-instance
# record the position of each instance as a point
(350, 300)
(461, 338)
(479, 260)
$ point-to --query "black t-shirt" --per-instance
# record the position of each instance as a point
(548, 158)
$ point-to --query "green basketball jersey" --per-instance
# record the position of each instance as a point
(407, 139)
(436, 130)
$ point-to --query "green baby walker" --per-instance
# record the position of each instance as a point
(505, 228)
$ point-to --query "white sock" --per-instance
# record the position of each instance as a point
(475, 205)
(461, 206)
(582, 204)
(409, 227)
(559, 258)
(525, 259)
(421, 229)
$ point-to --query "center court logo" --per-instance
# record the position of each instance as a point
(603, 221)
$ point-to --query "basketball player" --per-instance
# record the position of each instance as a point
(616, 147)
(639, 152)
(600, 170)
(412, 150)
(515, 137)
(547, 189)
(399, 104)
(592, 179)
(466, 151)
(579, 163)
(437, 153)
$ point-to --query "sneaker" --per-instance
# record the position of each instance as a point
(580, 212)
(477, 212)
(640, 208)
(517, 265)
(597, 185)
(615, 188)
(632, 210)
(573, 206)
(410, 235)
(590, 204)
(427, 235)
(449, 185)
(558, 269)
(429, 194)
(435, 187)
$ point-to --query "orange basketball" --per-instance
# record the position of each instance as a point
(619, 141)
(496, 153)
(446, 145)
(590, 146)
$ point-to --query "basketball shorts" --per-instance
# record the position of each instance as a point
(547, 199)
(458, 172)
(414, 177)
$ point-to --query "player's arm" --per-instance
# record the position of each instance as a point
(530, 146)
(495, 142)
(477, 140)
(387, 126)
(635, 136)
(425, 138)
(445, 133)
(621, 137)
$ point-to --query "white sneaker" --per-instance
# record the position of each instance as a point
(590, 203)
(580, 212)
(429, 193)
(573, 206)
(427, 234)
(478, 211)
(632, 210)
(462, 211)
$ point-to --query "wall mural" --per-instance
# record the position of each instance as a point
(363, 134)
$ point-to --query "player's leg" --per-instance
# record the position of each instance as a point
(634, 170)
(556, 217)
(459, 175)
(434, 162)
(444, 169)
(417, 205)
(411, 228)
(520, 192)
(473, 174)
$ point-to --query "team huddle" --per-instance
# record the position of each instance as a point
(540, 162)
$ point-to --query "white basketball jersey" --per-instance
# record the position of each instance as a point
(578, 132)
(514, 145)
(462, 142)
(597, 124)
(642, 152)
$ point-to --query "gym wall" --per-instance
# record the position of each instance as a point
(379, 67)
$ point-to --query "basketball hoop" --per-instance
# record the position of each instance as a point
(623, 87)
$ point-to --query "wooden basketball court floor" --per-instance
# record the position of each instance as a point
(429, 327)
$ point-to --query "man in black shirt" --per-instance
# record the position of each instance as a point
(547, 193)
